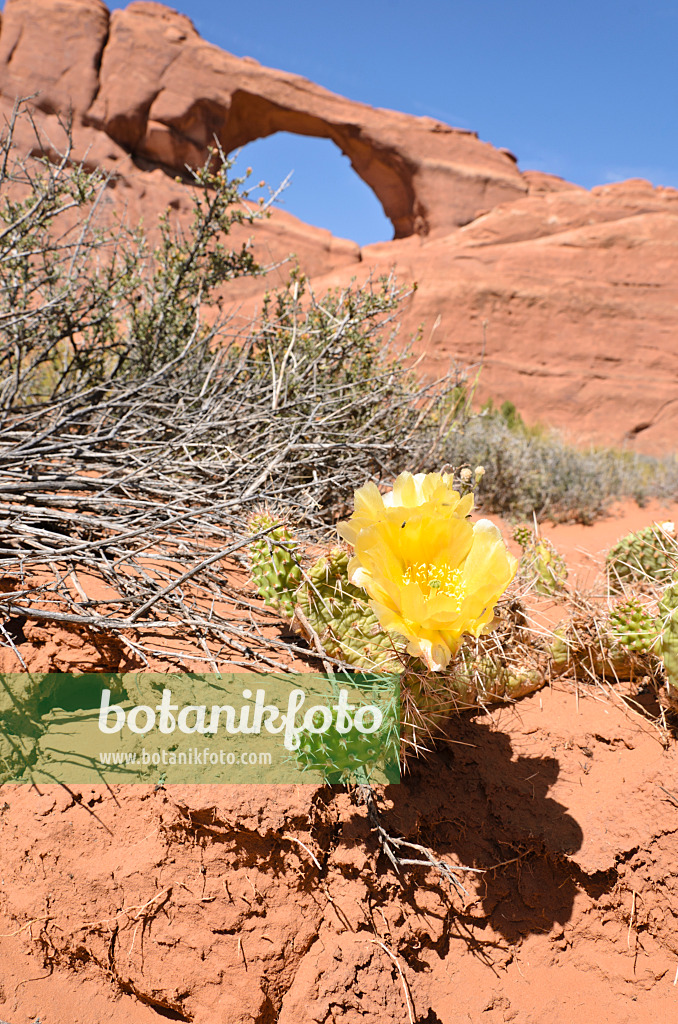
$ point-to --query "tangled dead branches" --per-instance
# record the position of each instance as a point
(136, 432)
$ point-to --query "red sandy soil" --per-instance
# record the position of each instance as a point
(205, 903)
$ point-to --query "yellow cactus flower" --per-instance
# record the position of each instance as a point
(423, 491)
(430, 573)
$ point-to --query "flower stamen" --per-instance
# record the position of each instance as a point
(442, 580)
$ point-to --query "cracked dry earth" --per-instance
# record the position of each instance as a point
(204, 903)
(234, 905)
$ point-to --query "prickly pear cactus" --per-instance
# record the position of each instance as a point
(632, 627)
(339, 613)
(326, 607)
(274, 563)
(504, 666)
(668, 644)
(648, 554)
(485, 679)
(541, 562)
(523, 535)
(560, 649)
(620, 645)
(429, 700)
(355, 755)
(585, 647)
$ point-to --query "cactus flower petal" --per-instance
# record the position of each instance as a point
(430, 574)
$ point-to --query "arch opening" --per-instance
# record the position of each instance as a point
(324, 190)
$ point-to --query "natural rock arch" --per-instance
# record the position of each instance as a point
(159, 90)
(387, 174)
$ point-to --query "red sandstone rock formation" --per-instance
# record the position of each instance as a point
(163, 93)
(578, 289)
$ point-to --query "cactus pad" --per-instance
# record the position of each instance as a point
(632, 627)
(592, 647)
(668, 644)
(275, 567)
(541, 562)
(523, 535)
(340, 615)
(355, 756)
(648, 554)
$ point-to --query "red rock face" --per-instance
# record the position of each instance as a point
(575, 291)
(53, 48)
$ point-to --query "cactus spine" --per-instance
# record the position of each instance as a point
(580, 646)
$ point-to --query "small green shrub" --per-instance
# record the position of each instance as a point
(85, 301)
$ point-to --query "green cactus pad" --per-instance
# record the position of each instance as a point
(541, 562)
(632, 627)
(592, 654)
(484, 679)
(340, 615)
(475, 678)
(648, 554)
(523, 535)
(356, 756)
(274, 563)
(668, 644)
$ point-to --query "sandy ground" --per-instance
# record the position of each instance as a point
(262, 904)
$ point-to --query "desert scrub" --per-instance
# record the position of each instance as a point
(534, 471)
(104, 335)
(134, 423)
(323, 396)
(85, 301)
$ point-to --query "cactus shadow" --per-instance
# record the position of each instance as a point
(476, 803)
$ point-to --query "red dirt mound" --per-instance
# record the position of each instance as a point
(228, 904)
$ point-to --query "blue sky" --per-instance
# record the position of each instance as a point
(586, 90)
